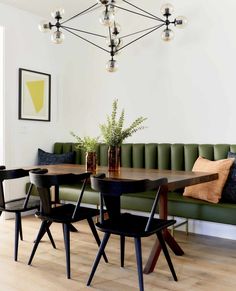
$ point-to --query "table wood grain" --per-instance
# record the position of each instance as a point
(176, 179)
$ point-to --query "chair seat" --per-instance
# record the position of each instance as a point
(63, 214)
(133, 225)
(17, 205)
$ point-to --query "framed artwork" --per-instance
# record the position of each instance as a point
(34, 95)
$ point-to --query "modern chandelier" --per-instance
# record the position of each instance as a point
(113, 41)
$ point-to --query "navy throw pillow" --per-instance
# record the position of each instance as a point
(45, 158)
(229, 191)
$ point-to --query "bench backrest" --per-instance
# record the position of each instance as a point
(154, 155)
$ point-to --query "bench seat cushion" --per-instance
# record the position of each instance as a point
(181, 206)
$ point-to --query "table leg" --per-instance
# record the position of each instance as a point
(112, 204)
(156, 249)
(153, 257)
(172, 243)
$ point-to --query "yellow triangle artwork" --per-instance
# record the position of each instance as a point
(36, 90)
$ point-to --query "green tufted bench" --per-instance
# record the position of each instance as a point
(161, 156)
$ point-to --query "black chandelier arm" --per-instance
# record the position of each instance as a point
(137, 32)
(127, 2)
(83, 31)
(157, 27)
(81, 37)
(111, 44)
(80, 13)
(137, 13)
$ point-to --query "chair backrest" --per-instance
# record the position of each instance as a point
(8, 175)
(44, 181)
(116, 187)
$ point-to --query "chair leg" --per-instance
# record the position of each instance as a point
(50, 235)
(166, 253)
(98, 257)
(21, 232)
(95, 234)
(66, 232)
(122, 250)
(17, 233)
(41, 233)
(138, 250)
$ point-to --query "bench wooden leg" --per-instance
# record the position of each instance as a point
(185, 222)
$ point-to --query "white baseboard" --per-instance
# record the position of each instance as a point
(8, 215)
(227, 231)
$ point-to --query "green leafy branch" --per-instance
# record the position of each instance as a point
(113, 132)
(87, 143)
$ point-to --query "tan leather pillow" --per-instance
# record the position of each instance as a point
(209, 191)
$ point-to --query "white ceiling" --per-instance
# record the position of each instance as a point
(45, 7)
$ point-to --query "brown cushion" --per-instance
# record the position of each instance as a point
(209, 191)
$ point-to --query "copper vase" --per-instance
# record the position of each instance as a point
(91, 162)
(114, 158)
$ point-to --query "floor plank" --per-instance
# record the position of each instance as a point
(208, 264)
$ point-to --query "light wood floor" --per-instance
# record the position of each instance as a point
(208, 264)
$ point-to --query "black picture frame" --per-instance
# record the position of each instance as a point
(34, 95)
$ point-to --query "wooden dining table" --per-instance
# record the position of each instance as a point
(176, 180)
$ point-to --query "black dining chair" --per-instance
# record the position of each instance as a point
(65, 214)
(19, 205)
(126, 224)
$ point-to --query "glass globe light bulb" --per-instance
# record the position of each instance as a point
(44, 26)
(167, 35)
(113, 41)
(112, 8)
(103, 2)
(120, 42)
(167, 9)
(58, 13)
(107, 18)
(181, 22)
(112, 66)
(57, 37)
(116, 51)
